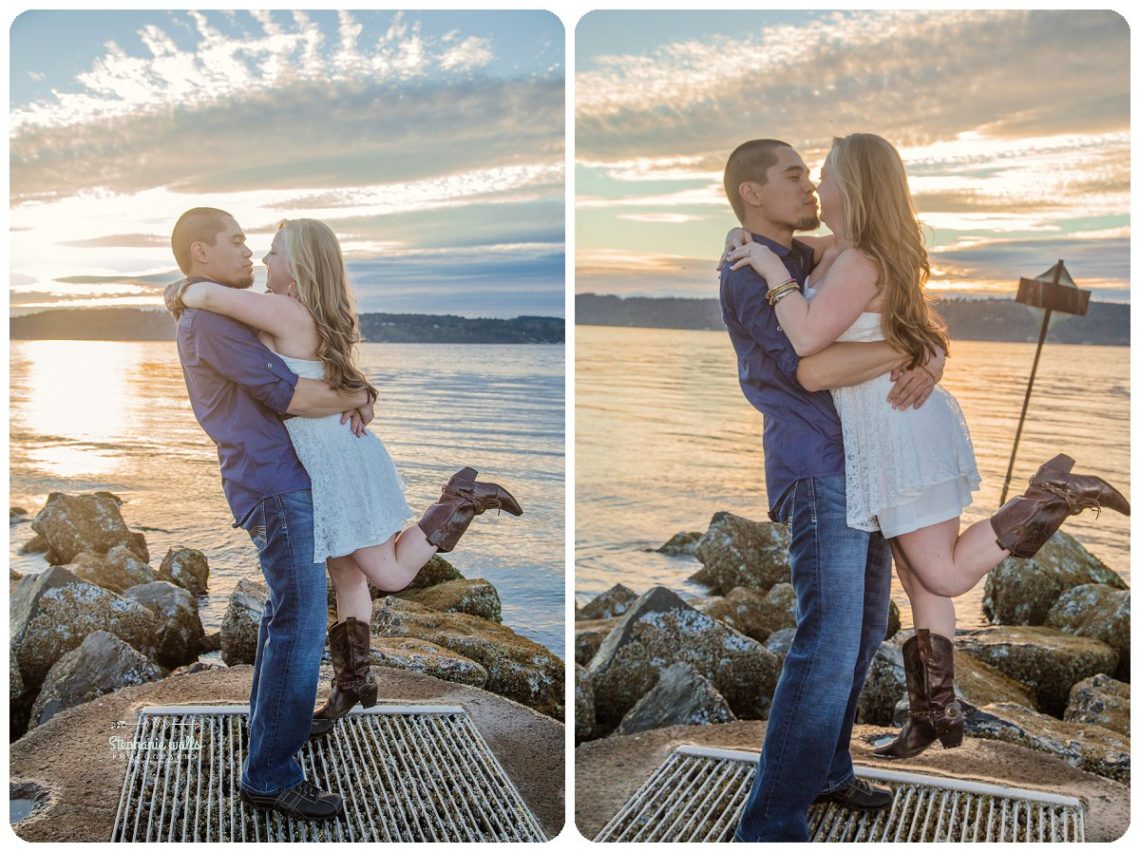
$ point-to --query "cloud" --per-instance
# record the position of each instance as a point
(913, 77)
(158, 280)
(285, 107)
(120, 241)
(989, 266)
(471, 53)
(661, 218)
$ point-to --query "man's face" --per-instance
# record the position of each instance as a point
(788, 196)
(228, 261)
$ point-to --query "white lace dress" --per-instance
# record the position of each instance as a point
(358, 497)
(905, 469)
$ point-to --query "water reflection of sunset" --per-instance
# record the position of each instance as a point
(76, 397)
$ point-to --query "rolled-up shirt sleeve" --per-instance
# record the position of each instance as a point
(233, 350)
(751, 309)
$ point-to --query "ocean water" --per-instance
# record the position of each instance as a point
(114, 416)
(664, 439)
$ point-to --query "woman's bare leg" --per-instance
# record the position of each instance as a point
(929, 611)
(392, 565)
(351, 587)
(949, 564)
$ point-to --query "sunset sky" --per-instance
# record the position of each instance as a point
(431, 142)
(1014, 126)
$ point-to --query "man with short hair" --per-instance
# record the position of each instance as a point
(841, 575)
(240, 391)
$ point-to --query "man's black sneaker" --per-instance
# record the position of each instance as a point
(859, 795)
(301, 801)
(320, 727)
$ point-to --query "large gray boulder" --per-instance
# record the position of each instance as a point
(117, 570)
(681, 544)
(19, 701)
(39, 544)
(738, 552)
(102, 663)
(884, 700)
(1100, 700)
(589, 636)
(186, 567)
(780, 643)
(681, 697)
(1091, 748)
(435, 571)
(1022, 591)
(241, 621)
(517, 667)
(473, 597)
(583, 706)
(180, 632)
(754, 614)
(1101, 612)
(1047, 661)
(53, 612)
(660, 630)
(415, 655)
(72, 524)
(609, 604)
(894, 620)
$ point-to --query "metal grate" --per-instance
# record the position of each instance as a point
(697, 795)
(404, 773)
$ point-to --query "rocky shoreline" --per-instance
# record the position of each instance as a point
(101, 619)
(1050, 673)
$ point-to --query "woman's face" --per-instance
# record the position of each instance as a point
(278, 279)
(830, 201)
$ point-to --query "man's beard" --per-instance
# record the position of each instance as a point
(808, 223)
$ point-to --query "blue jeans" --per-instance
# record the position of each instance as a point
(842, 579)
(290, 639)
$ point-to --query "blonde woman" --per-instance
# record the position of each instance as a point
(309, 318)
(909, 473)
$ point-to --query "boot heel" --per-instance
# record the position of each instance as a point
(951, 739)
(1060, 463)
(369, 692)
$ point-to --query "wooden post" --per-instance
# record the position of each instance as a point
(1025, 404)
(1032, 375)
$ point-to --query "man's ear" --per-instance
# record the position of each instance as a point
(198, 251)
(749, 193)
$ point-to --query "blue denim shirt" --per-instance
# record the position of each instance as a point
(236, 385)
(802, 433)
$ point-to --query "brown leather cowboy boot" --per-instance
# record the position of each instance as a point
(1025, 523)
(462, 499)
(935, 713)
(352, 678)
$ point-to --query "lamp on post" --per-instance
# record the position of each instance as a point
(1053, 290)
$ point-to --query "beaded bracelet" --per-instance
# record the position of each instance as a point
(777, 293)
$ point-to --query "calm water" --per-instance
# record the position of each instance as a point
(665, 439)
(95, 415)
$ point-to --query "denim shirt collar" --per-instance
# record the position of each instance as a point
(800, 251)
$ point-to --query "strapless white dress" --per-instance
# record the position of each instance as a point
(358, 497)
(905, 469)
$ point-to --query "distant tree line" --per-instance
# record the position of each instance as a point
(1107, 323)
(138, 324)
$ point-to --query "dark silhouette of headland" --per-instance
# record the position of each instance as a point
(1106, 324)
(138, 324)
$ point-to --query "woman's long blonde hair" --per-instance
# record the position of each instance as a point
(314, 260)
(881, 221)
